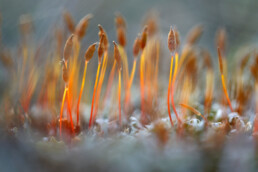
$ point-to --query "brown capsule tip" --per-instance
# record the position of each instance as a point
(151, 21)
(68, 48)
(82, 26)
(90, 52)
(207, 59)
(65, 72)
(244, 61)
(220, 61)
(105, 39)
(100, 28)
(177, 38)
(26, 23)
(144, 37)
(101, 47)
(171, 40)
(136, 47)
(90, 16)
(69, 21)
(6, 59)
(101, 40)
(117, 56)
(194, 34)
(145, 29)
(221, 38)
(120, 21)
(121, 36)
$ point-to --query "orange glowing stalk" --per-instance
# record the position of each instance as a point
(100, 53)
(101, 79)
(132, 74)
(68, 48)
(142, 71)
(119, 97)
(69, 109)
(142, 83)
(66, 93)
(174, 46)
(61, 112)
(80, 95)
(169, 86)
(117, 57)
(88, 55)
(93, 96)
(121, 38)
(223, 80)
(171, 47)
(172, 88)
(195, 111)
(104, 42)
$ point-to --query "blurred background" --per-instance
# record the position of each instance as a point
(239, 17)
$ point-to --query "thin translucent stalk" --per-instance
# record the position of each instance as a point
(195, 111)
(61, 111)
(172, 87)
(132, 74)
(142, 68)
(221, 67)
(70, 109)
(169, 86)
(226, 92)
(156, 69)
(128, 92)
(101, 79)
(125, 64)
(93, 96)
(80, 95)
(119, 97)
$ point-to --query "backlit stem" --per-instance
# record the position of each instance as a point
(172, 88)
(101, 79)
(169, 86)
(226, 92)
(142, 68)
(61, 112)
(128, 91)
(82, 86)
(119, 97)
(70, 109)
(93, 96)
(194, 111)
